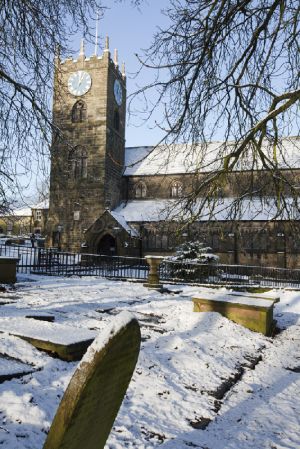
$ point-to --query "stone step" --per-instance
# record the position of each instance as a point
(66, 342)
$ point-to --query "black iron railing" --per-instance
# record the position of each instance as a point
(50, 261)
(54, 262)
(228, 274)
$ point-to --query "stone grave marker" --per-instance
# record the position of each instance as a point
(95, 393)
(8, 269)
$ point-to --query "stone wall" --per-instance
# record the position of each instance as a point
(250, 243)
(235, 184)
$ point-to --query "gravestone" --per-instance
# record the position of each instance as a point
(95, 393)
(8, 269)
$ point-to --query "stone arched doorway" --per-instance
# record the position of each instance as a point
(107, 245)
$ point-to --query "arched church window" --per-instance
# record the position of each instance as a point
(79, 112)
(116, 120)
(176, 189)
(140, 190)
(78, 163)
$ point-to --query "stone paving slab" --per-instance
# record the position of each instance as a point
(66, 342)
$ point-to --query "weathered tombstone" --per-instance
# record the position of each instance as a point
(92, 400)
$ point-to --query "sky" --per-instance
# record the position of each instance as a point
(130, 30)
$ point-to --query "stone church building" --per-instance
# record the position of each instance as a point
(109, 199)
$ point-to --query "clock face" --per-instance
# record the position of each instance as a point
(118, 92)
(79, 83)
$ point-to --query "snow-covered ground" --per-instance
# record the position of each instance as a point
(192, 368)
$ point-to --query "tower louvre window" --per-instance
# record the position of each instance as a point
(79, 112)
(38, 215)
(176, 189)
(117, 120)
(140, 190)
(77, 163)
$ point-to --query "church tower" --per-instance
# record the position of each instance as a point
(87, 157)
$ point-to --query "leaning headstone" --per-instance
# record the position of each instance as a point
(95, 393)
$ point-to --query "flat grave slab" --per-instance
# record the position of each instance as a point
(66, 342)
(11, 368)
(253, 313)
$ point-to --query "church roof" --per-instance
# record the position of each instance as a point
(185, 158)
(250, 209)
(122, 222)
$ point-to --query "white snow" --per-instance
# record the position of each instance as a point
(26, 210)
(185, 360)
(254, 209)
(235, 299)
(121, 220)
(44, 204)
(21, 212)
(183, 158)
(45, 331)
(121, 321)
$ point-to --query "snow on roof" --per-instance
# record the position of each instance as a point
(184, 158)
(41, 205)
(250, 209)
(22, 212)
(121, 220)
(26, 211)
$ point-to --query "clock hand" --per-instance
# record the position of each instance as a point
(80, 79)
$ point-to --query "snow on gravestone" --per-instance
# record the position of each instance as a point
(92, 400)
